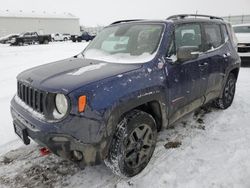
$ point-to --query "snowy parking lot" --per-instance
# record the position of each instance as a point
(207, 148)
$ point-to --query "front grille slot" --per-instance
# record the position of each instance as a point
(32, 97)
(244, 49)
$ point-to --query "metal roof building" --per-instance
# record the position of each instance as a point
(240, 19)
(43, 22)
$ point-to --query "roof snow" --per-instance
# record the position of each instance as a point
(35, 14)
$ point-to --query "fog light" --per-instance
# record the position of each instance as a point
(77, 155)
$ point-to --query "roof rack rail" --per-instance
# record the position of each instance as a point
(183, 16)
(124, 21)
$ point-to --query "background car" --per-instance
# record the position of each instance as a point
(243, 35)
(60, 37)
(31, 38)
(67, 36)
(8, 38)
(84, 36)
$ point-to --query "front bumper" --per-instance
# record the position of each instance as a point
(60, 139)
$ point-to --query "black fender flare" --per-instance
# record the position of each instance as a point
(227, 72)
(124, 105)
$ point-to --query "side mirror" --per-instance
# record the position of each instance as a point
(185, 53)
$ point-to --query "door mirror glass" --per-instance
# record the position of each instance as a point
(185, 53)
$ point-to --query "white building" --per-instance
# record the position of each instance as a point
(43, 23)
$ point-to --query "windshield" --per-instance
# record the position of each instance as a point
(126, 43)
(242, 29)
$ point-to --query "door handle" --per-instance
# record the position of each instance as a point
(203, 64)
(226, 55)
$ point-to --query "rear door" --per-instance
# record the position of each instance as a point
(187, 81)
(217, 53)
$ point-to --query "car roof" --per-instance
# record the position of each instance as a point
(178, 19)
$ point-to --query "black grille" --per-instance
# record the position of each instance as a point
(32, 97)
(244, 49)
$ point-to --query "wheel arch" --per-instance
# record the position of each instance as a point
(235, 72)
(154, 104)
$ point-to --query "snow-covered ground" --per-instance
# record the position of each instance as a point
(214, 145)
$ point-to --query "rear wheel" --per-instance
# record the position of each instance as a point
(133, 144)
(228, 93)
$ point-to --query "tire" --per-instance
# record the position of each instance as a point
(45, 41)
(20, 43)
(228, 93)
(133, 144)
(79, 40)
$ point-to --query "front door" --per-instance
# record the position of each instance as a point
(186, 80)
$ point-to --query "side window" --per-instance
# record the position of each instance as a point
(213, 36)
(26, 35)
(224, 33)
(188, 35)
(33, 34)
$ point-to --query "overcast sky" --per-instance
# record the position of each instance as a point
(103, 12)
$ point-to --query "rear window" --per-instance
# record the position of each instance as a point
(235, 41)
(213, 36)
(241, 29)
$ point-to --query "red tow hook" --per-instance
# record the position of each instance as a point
(44, 151)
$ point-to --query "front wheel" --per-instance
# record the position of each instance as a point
(133, 144)
(228, 93)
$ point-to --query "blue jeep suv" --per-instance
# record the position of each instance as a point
(134, 79)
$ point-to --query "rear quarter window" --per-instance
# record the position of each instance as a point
(213, 36)
(224, 33)
(232, 34)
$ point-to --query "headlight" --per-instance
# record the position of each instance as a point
(61, 106)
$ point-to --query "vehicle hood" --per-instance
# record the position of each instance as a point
(66, 75)
(243, 37)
